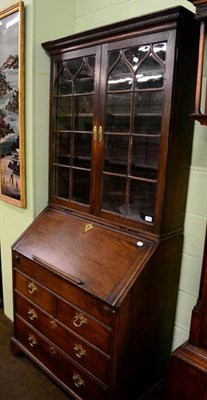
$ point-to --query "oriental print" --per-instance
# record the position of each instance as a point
(12, 183)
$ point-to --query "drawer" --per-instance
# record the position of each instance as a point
(48, 356)
(85, 355)
(85, 326)
(61, 286)
(35, 292)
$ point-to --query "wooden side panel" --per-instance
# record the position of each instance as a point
(144, 324)
(188, 375)
(181, 130)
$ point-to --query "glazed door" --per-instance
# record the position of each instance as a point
(109, 135)
(135, 121)
(75, 87)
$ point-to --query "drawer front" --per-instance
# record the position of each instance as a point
(63, 288)
(84, 326)
(68, 373)
(86, 356)
(35, 292)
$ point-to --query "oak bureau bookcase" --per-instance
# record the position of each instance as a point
(96, 274)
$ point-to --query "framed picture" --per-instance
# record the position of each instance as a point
(12, 157)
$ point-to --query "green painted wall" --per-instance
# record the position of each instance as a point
(44, 20)
(50, 19)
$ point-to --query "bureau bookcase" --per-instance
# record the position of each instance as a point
(96, 274)
(188, 371)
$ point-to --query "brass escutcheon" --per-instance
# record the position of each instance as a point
(79, 351)
(78, 381)
(32, 314)
(88, 227)
(79, 320)
(31, 287)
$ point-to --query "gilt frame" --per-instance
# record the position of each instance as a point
(12, 149)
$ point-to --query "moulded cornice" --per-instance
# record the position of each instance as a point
(134, 24)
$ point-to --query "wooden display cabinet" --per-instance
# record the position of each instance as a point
(96, 274)
(188, 372)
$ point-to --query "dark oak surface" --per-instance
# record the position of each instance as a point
(188, 372)
(92, 259)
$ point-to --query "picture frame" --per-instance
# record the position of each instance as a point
(12, 149)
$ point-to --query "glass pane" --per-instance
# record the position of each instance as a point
(148, 103)
(83, 113)
(142, 200)
(91, 62)
(136, 54)
(114, 193)
(74, 65)
(160, 50)
(145, 154)
(148, 108)
(62, 148)
(113, 58)
(81, 186)
(120, 77)
(61, 182)
(148, 125)
(82, 150)
(63, 113)
(64, 83)
(116, 153)
(84, 82)
(149, 75)
(118, 112)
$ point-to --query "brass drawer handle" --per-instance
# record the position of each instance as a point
(32, 288)
(53, 324)
(52, 350)
(32, 314)
(32, 340)
(79, 351)
(78, 381)
(79, 320)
